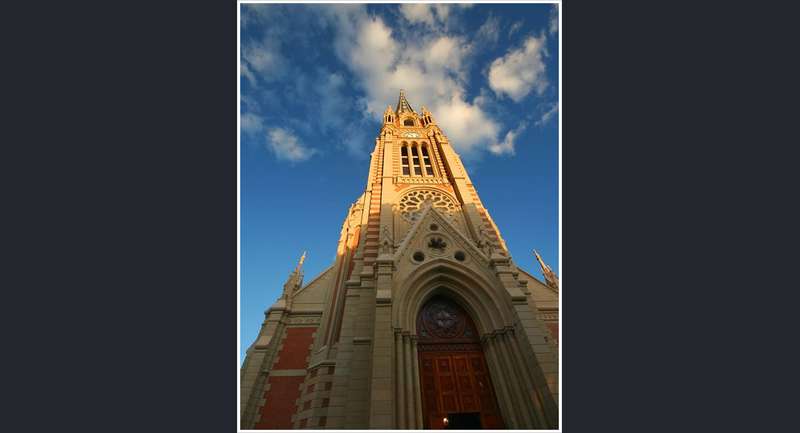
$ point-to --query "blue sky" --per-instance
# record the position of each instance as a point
(315, 81)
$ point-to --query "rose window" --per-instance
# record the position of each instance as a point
(411, 204)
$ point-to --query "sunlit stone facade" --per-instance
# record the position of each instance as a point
(423, 320)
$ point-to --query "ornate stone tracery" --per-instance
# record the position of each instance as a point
(443, 319)
(411, 204)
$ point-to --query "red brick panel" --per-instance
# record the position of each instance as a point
(553, 329)
(295, 350)
(279, 405)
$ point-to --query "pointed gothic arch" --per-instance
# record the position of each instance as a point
(468, 288)
(518, 386)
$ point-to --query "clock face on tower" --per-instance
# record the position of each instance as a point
(411, 135)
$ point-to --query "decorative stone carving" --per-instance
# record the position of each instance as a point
(387, 244)
(484, 241)
(442, 320)
(420, 180)
(410, 205)
(437, 243)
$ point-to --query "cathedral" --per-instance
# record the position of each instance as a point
(423, 321)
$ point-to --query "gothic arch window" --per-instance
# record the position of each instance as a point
(408, 122)
(426, 160)
(416, 159)
(404, 158)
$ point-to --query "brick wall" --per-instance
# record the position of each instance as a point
(283, 391)
(553, 327)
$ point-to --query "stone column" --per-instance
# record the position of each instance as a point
(533, 388)
(500, 382)
(519, 385)
(417, 386)
(408, 381)
(399, 381)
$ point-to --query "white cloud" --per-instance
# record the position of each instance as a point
(547, 115)
(425, 13)
(286, 146)
(507, 145)
(514, 28)
(466, 125)
(431, 70)
(249, 74)
(251, 123)
(489, 31)
(418, 13)
(262, 59)
(520, 71)
(554, 19)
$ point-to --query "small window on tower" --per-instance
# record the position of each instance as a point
(427, 161)
(416, 161)
(408, 122)
(404, 151)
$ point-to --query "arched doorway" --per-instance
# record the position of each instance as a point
(457, 391)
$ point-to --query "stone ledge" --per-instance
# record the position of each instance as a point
(287, 372)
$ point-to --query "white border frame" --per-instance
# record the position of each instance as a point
(560, 108)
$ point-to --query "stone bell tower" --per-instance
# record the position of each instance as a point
(423, 320)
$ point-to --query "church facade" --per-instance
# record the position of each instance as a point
(423, 321)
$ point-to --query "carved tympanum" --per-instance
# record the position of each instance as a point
(442, 319)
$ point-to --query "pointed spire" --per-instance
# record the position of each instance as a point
(550, 277)
(295, 279)
(300, 264)
(388, 115)
(402, 103)
(427, 117)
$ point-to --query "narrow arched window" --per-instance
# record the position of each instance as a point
(416, 159)
(404, 155)
(426, 160)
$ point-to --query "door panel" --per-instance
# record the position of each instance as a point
(453, 372)
(456, 382)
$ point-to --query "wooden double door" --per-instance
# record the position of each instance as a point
(456, 385)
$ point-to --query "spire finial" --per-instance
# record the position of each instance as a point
(300, 264)
(550, 277)
(402, 103)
